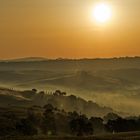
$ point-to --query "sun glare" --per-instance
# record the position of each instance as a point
(102, 12)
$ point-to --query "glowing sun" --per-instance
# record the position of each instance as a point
(102, 12)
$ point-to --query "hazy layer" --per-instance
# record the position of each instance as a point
(109, 82)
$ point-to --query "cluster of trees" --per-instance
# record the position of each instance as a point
(31, 93)
(52, 121)
(123, 125)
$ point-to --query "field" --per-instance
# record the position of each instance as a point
(119, 136)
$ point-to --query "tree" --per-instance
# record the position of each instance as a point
(97, 124)
(123, 125)
(7, 126)
(34, 90)
(57, 93)
(25, 127)
(64, 93)
(62, 123)
(111, 116)
(48, 122)
(34, 118)
(80, 125)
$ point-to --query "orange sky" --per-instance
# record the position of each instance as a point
(64, 28)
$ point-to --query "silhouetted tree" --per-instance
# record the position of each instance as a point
(62, 123)
(34, 90)
(48, 122)
(111, 116)
(123, 125)
(7, 126)
(34, 118)
(26, 127)
(80, 125)
(63, 93)
(97, 124)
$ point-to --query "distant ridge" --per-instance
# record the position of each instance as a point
(25, 59)
(32, 59)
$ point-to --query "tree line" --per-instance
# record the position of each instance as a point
(52, 121)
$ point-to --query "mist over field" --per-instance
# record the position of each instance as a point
(114, 83)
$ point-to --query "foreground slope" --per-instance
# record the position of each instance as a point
(119, 136)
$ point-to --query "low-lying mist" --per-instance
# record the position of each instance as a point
(113, 83)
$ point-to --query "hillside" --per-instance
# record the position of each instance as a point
(9, 98)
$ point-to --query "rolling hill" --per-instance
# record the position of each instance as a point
(111, 82)
(28, 98)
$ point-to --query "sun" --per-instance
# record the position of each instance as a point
(102, 12)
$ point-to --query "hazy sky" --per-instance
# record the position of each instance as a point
(66, 28)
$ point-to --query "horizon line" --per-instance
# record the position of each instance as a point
(64, 58)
